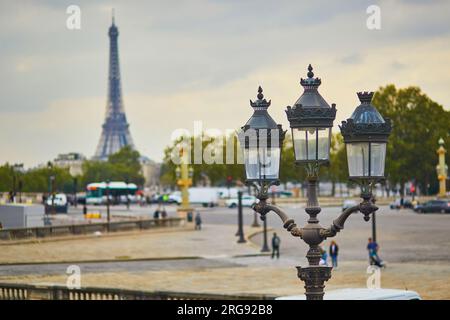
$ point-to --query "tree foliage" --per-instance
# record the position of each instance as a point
(418, 123)
(121, 166)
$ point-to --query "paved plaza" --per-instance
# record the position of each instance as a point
(415, 247)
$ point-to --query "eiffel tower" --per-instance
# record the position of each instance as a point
(115, 133)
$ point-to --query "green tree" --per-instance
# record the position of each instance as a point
(35, 180)
(120, 166)
(418, 123)
(337, 171)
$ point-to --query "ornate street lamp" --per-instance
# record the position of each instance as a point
(311, 120)
(261, 139)
(365, 135)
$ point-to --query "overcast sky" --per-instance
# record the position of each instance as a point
(186, 61)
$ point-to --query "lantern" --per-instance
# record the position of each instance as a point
(261, 140)
(311, 120)
(365, 135)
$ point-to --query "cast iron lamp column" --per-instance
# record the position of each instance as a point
(184, 174)
(311, 120)
(108, 212)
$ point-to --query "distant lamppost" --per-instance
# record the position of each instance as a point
(17, 170)
(265, 246)
(184, 174)
(75, 188)
(108, 212)
(75, 172)
(52, 192)
(240, 232)
(127, 182)
(311, 120)
(442, 169)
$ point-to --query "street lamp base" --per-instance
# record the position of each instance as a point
(314, 278)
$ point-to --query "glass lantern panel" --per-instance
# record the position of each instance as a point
(304, 143)
(378, 156)
(269, 163)
(251, 163)
(358, 159)
(324, 136)
(299, 141)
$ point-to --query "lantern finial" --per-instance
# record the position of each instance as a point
(310, 73)
(261, 102)
(260, 95)
(310, 82)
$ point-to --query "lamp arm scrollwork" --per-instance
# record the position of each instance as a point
(338, 223)
(262, 207)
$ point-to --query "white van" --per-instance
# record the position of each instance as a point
(59, 201)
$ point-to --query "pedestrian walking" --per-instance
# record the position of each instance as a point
(276, 245)
(334, 251)
(198, 221)
(374, 259)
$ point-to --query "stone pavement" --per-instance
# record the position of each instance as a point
(212, 241)
(217, 264)
(266, 277)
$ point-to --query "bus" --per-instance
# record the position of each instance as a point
(118, 192)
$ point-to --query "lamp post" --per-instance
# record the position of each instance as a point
(442, 169)
(255, 223)
(311, 120)
(127, 182)
(265, 246)
(184, 175)
(75, 187)
(240, 232)
(108, 213)
(52, 192)
(17, 169)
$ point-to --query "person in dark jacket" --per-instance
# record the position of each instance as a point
(198, 221)
(334, 251)
(276, 245)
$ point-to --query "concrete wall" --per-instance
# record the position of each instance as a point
(21, 216)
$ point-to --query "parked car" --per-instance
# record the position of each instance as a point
(442, 206)
(348, 204)
(165, 198)
(362, 294)
(247, 201)
(406, 204)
